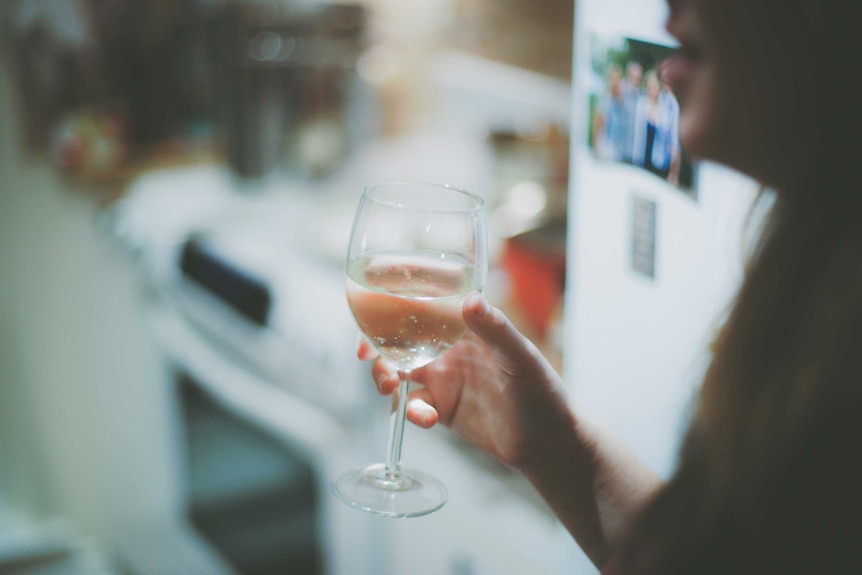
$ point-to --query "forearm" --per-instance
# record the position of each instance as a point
(518, 411)
(594, 484)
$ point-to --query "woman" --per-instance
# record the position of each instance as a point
(656, 145)
(770, 473)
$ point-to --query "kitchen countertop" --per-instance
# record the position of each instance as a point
(311, 220)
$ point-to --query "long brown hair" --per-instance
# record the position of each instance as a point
(769, 477)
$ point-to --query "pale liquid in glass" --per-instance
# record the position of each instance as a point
(408, 304)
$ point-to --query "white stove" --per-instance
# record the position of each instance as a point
(247, 308)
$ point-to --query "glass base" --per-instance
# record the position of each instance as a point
(408, 493)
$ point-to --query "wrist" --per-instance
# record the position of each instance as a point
(551, 441)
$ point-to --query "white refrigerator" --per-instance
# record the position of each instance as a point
(653, 259)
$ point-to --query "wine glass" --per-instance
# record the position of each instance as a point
(416, 250)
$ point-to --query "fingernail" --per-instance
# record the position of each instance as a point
(380, 380)
(425, 410)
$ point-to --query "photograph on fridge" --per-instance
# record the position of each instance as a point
(634, 117)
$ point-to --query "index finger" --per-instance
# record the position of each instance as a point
(364, 351)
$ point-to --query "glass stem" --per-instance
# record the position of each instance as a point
(396, 428)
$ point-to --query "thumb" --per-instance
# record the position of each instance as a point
(497, 332)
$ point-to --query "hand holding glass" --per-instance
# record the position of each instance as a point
(416, 250)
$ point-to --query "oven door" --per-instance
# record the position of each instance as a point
(253, 465)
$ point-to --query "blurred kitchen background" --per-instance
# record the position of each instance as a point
(178, 385)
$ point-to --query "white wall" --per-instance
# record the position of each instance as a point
(80, 408)
(636, 347)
